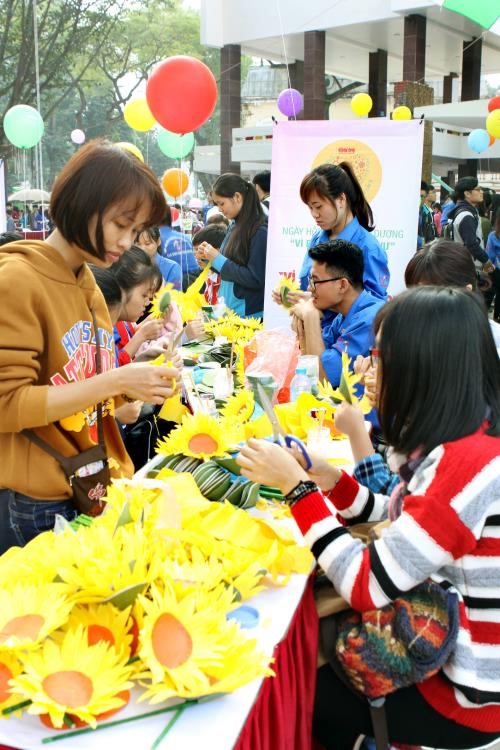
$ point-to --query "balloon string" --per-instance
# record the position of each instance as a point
(285, 56)
(24, 183)
(38, 149)
(184, 251)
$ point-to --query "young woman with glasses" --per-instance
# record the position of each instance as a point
(439, 407)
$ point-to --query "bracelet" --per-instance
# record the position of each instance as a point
(299, 491)
(127, 398)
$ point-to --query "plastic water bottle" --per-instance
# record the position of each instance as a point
(300, 383)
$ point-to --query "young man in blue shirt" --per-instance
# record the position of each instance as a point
(336, 284)
(178, 247)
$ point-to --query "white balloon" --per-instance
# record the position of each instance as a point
(78, 136)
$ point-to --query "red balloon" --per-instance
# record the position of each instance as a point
(494, 103)
(181, 93)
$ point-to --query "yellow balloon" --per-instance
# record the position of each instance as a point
(132, 148)
(138, 115)
(402, 113)
(361, 104)
(493, 123)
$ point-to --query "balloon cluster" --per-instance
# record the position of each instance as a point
(181, 94)
(480, 139)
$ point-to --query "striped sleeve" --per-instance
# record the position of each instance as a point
(439, 524)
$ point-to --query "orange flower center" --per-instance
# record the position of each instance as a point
(98, 633)
(172, 644)
(5, 676)
(202, 443)
(68, 688)
(25, 627)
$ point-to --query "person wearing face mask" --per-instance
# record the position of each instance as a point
(338, 205)
(51, 318)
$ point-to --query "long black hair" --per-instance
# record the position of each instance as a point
(250, 217)
(440, 372)
(330, 181)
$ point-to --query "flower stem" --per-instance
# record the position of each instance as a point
(117, 722)
(169, 726)
(17, 707)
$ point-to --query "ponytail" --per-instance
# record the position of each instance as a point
(250, 217)
(330, 181)
(360, 206)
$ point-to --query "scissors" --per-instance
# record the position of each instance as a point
(279, 435)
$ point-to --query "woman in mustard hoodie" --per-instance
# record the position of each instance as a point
(100, 201)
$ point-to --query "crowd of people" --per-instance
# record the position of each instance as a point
(428, 361)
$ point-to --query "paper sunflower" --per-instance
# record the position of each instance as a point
(347, 388)
(199, 435)
(239, 408)
(73, 677)
(109, 566)
(287, 284)
(10, 667)
(191, 301)
(309, 409)
(28, 614)
(239, 365)
(103, 623)
(184, 642)
(233, 328)
(161, 302)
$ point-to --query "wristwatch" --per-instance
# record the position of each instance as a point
(300, 491)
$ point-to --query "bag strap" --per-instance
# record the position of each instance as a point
(328, 635)
(98, 367)
(31, 435)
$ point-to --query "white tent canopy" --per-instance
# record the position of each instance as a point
(30, 195)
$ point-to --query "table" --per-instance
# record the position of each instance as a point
(270, 714)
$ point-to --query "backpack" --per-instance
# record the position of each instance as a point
(448, 232)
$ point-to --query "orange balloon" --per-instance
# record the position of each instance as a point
(175, 182)
(492, 139)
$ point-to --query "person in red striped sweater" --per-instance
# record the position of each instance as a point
(439, 409)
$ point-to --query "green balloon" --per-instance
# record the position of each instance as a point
(174, 145)
(23, 126)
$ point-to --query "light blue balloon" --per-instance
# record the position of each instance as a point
(478, 140)
(174, 145)
(23, 125)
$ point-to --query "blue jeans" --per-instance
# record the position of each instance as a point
(23, 517)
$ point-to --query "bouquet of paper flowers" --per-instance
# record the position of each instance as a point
(139, 597)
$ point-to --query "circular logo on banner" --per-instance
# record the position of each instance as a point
(365, 163)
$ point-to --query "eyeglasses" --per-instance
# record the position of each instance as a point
(313, 282)
(374, 355)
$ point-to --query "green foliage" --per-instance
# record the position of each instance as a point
(94, 56)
